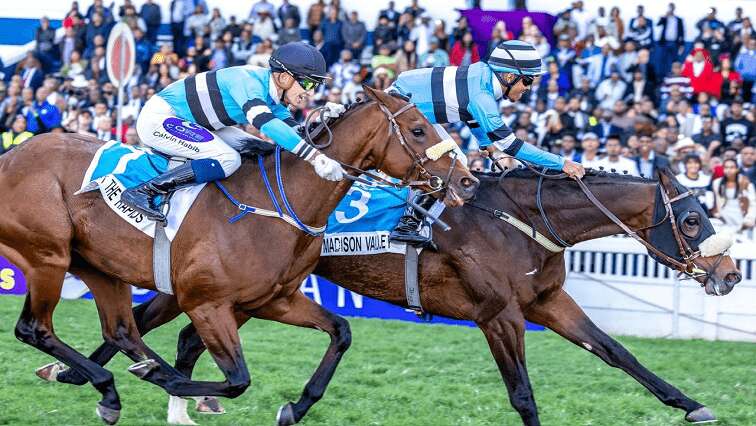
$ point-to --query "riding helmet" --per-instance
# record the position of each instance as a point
(300, 59)
(517, 57)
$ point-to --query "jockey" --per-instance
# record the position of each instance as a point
(195, 118)
(470, 94)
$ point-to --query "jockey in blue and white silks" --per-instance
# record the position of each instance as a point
(195, 118)
(471, 94)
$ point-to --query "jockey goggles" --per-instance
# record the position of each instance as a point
(304, 82)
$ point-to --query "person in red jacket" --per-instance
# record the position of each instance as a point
(699, 69)
(727, 75)
(465, 51)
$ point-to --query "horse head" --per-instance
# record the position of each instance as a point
(413, 150)
(683, 233)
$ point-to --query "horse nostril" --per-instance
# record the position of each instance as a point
(733, 278)
(469, 183)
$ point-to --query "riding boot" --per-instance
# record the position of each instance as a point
(409, 226)
(142, 197)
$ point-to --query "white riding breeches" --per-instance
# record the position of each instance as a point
(158, 127)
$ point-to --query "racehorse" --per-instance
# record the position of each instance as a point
(487, 272)
(255, 264)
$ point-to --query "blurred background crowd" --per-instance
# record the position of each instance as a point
(623, 93)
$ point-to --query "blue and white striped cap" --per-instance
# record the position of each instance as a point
(517, 57)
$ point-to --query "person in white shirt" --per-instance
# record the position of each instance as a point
(590, 158)
(695, 179)
(616, 162)
(581, 18)
(610, 90)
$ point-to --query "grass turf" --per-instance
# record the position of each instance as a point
(394, 374)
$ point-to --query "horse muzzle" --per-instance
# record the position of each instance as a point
(721, 279)
(461, 190)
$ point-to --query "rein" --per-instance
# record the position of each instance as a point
(687, 267)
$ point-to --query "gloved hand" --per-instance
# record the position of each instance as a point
(327, 168)
(333, 110)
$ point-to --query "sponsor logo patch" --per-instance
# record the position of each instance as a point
(186, 130)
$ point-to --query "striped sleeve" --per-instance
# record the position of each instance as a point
(485, 110)
(284, 114)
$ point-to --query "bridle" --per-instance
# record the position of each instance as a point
(687, 267)
(418, 169)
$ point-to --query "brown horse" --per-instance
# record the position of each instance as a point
(481, 273)
(256, 264)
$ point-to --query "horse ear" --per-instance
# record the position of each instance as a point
(667, 180)
(377, 95)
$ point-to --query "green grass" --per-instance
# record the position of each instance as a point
(394, 374)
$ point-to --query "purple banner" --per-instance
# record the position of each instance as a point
(12, 280)
(482, 22)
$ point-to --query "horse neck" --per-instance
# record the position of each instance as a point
(311, 197)
(575, 218)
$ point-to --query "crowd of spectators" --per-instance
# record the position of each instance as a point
(625, 94)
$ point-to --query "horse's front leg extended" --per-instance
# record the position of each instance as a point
(505, 334)
(561, 314)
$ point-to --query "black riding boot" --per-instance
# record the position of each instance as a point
(408, 228)
(141, 197)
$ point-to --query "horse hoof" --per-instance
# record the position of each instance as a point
(177, 414)
(285, 416)
(50, 371)
(143, 368)
(700, 416)
(209, 405)
(108, 415)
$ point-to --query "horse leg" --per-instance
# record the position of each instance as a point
(299, 310)
(35, 328)
(149, 315)
(561, 314)
(506, 338)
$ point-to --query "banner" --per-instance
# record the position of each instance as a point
(12, 280)
(481, 24)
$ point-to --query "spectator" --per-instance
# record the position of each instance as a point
(69, 44)
(709, 21)
(332, 38)
(244, 46)
(98, 8)
(421, 33)
(45, 49)
(586, 94)
(439, 31)
(131, 137)
(600, 66)
(747, 160)
(560, 75)
(384, 33)
(638, 89)
(694, 178)
(567, 146)
(434, 57)
(264, 27)
(76, 66)
(261, 7)
(565, 24)
(610, 90)
(699, 69)
(464, 52)
(217, 24)
(580, 17)
(708, 135)
(385, 61)
(152, 16)
(262, 54)
(132, 19)
(96, 27)
(406, 57)
(498, 34)
(16, 135)
(391, 14)
(414, 9)
(221, 56)
(196, 22)
(354, 33)
(737, 126)
(627, 60)
(647, 161)
(289, 33)
(315, 15)
(289, 11)
(671, 39)
(676, 80)
(604, 127)
(745, 64)
(732, 198)
(180, 11)
(352, 90)
(590, 158)
(641, 32)
(343, 70)
(614, 161)
(41, 116)
(105, 129)
(615, 27)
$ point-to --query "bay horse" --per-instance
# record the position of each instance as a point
(255, 264)
(487, 272)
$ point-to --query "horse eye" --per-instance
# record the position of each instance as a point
(691, 221)
(418, 132)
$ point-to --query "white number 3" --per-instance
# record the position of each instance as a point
(360, 204)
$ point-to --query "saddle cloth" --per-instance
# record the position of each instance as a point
(362, 222)
(117, 167)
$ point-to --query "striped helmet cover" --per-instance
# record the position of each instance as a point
(517, 57)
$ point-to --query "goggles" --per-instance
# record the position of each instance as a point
(305, 82)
